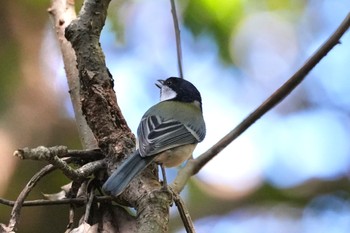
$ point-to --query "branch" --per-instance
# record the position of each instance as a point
(66, 201)
(54, 154)
(177, 36)
(62, 13)
(41, 152)
(16, 211)
(89, 168)
(194, 165)
(61, 152)
(84, 154)
(184, 214)
(96, 83)
(99, 103)
(88, 205)
(51, 155)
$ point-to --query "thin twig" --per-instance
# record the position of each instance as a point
(65, 168)
(178, 38)
(88, 206)
(16, 210)
(165, 180)
(66, 201)
(91, 167)
(193, 166)
(184, 214)
(94, 154)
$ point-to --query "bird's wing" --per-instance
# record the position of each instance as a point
(156, 135)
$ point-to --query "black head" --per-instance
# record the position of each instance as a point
(178, 89)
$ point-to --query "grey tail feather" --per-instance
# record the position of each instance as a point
(123, 175)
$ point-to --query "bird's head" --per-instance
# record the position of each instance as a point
(178, 89)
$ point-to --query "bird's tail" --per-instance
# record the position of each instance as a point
(122, 176)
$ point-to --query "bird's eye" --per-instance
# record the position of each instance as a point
(168, 83)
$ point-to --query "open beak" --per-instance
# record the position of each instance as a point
(159, 83)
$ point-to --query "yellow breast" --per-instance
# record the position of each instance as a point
(174, 157)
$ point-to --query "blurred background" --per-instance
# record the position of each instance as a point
(288, 173)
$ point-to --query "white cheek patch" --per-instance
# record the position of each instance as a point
(167, 93)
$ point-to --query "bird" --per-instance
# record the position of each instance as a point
(167, 133)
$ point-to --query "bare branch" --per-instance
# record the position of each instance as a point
(88, 206)
(54, 154)
(61, 152)
(84, 154)
(41, 152)
(51, 155)
(16, 211)
(178, 38)
(184, 214)
(66, 201)
(89, 168)
(97, 93)
(62, 13)
(193, 166)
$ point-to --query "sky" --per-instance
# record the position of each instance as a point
(287, 146)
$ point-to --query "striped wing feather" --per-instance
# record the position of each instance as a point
(156, 135)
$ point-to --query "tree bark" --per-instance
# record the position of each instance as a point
(104, 117)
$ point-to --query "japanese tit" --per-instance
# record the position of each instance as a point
(167, 134)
